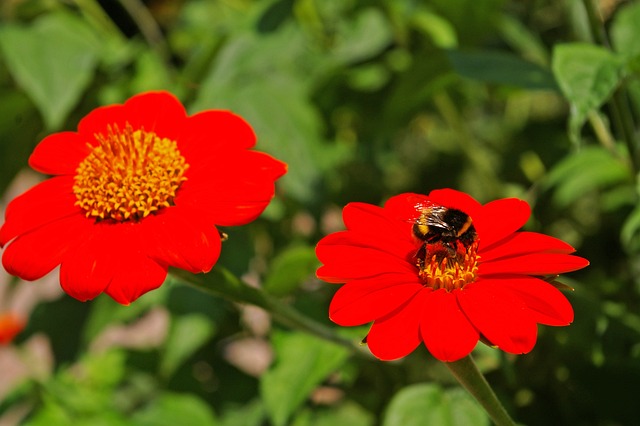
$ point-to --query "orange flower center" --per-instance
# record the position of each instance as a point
(441, 269)
(129, 175)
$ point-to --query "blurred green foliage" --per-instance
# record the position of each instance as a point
(363, 100)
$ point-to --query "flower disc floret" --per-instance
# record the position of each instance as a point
(129, 175)
(449, 273)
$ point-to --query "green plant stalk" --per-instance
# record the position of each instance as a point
(620, 112)
(221, 282)
(468, 375)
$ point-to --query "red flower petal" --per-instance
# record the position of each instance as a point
(113, 258)
(499, 316)
(210, 132)
(343, 260)
(10, 326)
(445, 329)
(158, 112)
(525, 243)
(135, 276)
(534, 264)
(547, 304)
(182, 238)
(34, 254)
(46, 202)
(374, 222)
(456, 200)
(59, 154)
(362, 301)
(228, 194)
(398, 334)
(500, 218)
(406, 207)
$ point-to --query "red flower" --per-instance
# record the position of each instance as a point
(10, 326)
(445, 270)
(138, 188)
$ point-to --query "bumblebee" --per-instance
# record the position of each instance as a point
(442, 226)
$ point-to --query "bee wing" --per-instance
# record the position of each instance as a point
(435, 218)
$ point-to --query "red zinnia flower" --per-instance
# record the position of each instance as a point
(445, 270)
(10, 326)
(138, 188)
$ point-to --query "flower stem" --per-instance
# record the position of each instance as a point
(221, 282)
(467, 373)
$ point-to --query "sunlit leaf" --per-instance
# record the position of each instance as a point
(429, 404)
(172, 409)
(302, 363)
(53, 60)
(587, 75)
(187, 334)
(589, 169)
(289, 269)
(625, 31)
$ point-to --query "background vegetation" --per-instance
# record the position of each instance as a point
(364, 100)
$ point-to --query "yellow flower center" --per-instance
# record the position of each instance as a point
(441, 269)
(129, 175)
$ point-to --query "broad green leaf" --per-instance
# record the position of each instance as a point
(501, 68)
(302, 363)
(625, 31)
(53, 59)
(289, 269)
(187, 334)
(587, 76)
(347, 413)
(429, 404)
(368, 34)
(250, 414)
(172, 409)
(589, 169)
(277, 13)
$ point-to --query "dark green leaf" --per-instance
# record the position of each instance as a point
(275, 15)
(501, 68)
(53, 60)
(302, 363)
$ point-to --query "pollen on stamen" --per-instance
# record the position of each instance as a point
(449, 272)
(129, 175)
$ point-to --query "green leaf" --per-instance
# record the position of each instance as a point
(625, 31)
(429, 404)
(53, 60)
(289, 269)
(630, 232)
(587, 76)
(363, 37)
(175, 409)
(302, 363)
(347, 413)
(187, 334)
(589, 169)
(501, 68)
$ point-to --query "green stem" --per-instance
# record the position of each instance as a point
(221, 282)
(620, 111)
(467, 373)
